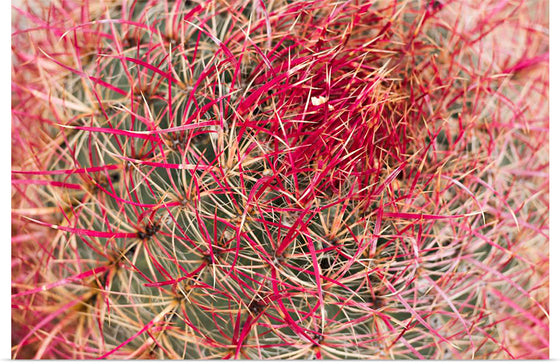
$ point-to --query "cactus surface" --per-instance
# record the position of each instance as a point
(249, 179)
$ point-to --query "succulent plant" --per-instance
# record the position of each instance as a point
(280, 179)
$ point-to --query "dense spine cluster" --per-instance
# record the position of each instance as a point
(280, 179)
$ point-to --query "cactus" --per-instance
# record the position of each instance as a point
(280, 180)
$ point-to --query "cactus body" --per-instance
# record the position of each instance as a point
(284, 179)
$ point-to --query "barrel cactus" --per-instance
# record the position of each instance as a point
(280, 179)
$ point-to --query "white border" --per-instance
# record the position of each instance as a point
(554, 97)
(5, 179)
